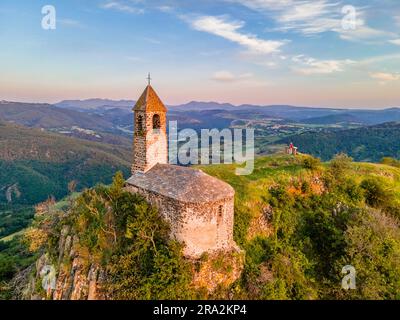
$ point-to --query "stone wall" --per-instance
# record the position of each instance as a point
(204, 227)
(150, 146)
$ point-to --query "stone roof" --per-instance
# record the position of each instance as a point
(149, 101)
(182, 183)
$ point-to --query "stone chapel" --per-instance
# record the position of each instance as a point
(199, 208)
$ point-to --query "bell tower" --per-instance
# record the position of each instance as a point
(150, 144)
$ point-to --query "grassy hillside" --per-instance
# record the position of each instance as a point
(48, 116)
(13, 219)
(300, 222)
(35, 164)
(363, 144)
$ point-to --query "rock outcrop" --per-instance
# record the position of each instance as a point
(69, 276)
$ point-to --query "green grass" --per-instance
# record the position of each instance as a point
(282, 170)
(13, 235)
(306, 243)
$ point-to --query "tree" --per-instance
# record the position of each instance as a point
(373, 249)
(72, 186)
(340, 163)
(129, 238)
(377, 194)
(311, 163)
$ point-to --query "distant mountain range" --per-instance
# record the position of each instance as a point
(43, 155)
(49, 116)
(91, 104)
(306, 115)
(110, 121)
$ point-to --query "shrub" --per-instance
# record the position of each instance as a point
(340, 163)
(311, 163)
(377, 264)
(391, 162)
(131, 240)
(306, 187)
(377, 195)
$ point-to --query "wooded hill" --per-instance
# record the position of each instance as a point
(35, 164)
(363, 144)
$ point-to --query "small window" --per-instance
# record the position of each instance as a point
(220, 210)
(156, 121)
(220, 215)
(139, 123)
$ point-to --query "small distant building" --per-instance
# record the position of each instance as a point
(292, 150)
(199, 208)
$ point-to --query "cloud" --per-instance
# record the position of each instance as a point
(166, 9)
(230, 30)
(306, 11)
(265, 4)
(362, 32)
(310, 17)
(395, 41)
(151, 40)
(307, 16)
(311, 66)
(226, 76)
(384, 77)
(70, 23)
(378, 59)
(123, 6)
(135, 59)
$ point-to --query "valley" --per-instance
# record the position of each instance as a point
(48, 153)
(43, 146)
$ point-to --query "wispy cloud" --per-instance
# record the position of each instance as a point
(123, 6)
(231, 30)
(395, 41)
(70, 23)
(227, 76)
(306, 11)
(151, 40)
(307, 16)
(397, 20)
(310, 66)
(241, 79)
(165, 8)
(363, 32)
(310, 17)
(384, 77)
(135, 59)
(379, 59)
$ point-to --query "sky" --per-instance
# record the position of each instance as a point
(318, 53)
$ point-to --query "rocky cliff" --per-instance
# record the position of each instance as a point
(109, 244)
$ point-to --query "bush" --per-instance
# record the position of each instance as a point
(311, 163)
(377, 195)
(131, 240)
(7, 267)
(377, 264)
(279, 195)
(339, 164)
(391, 162)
